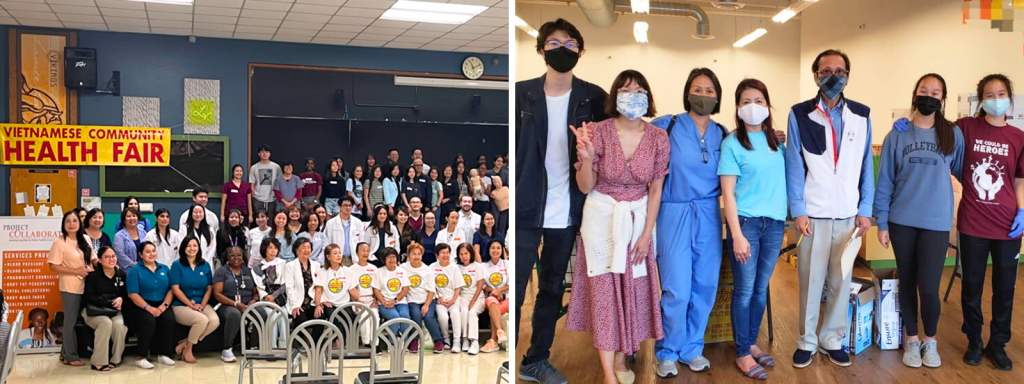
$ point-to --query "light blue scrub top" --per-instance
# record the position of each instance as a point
(689, 177)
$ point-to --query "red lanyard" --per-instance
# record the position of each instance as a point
(835, 145)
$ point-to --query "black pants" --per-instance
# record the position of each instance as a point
(920, 256)
(306, 315)
(502, 222)
(480, 207)
(145, 326)
(328, 312)
(553, 263)
(975, 252)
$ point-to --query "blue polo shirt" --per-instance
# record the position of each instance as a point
(151, 285)
(192, 282)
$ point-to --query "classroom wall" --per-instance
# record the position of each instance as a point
(671, 53)
(156, 66)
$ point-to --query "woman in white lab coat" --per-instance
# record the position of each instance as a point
(164, 238)
(380, 234)
(197, 226)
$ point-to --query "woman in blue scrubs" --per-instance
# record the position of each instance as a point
(689, 236)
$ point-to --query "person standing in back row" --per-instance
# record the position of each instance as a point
(312, 186)
(546, 150)
(831, 186)
(200, 196)
(288, 188)
(261, 177)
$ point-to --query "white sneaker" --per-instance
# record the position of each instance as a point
(144, 364)
(165, 360)
(474, 348)
(457, 347)
(698, 364)
(465, 345)
(227, 356)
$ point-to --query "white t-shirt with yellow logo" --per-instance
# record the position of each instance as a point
(446, 279)
(470, 275)
(494, 275)
(390, 283)
(363, 278)
(421, 282)
(336, 285)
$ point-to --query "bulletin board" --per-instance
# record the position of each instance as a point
(43, 189)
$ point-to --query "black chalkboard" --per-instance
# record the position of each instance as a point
(194, 163)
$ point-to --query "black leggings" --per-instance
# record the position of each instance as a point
(920, 256)
(975, 252)
(146, 327)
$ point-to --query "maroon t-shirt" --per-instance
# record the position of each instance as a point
(993, 157)
(312, 181)
(237, 196)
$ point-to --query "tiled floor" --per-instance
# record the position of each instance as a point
(46, 369)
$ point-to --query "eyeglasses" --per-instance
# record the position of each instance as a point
(626, 90)
(838, 72)
(572, 45)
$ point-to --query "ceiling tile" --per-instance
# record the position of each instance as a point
(359, 12)
(219, 3)
(434, 27)
(487, 21)
(88, 26)
(253, 36)
(263, 14)
(254, 29)
(216, 11)
(206, 33)
(259, 22)
(485, 44)
(33, 15)
(266, 6)
(502, 38)
(314, 9)
(384, 31)
(476, 2)
(370, 36)
(336, 3)
(471, 49)
(474, 29)
(393, 24)
(127, 21)
(172, 31)
(394, 44)
(169, 24)
(15, 6)
(462, 36)
(503, 50)
(494, 12)
(302, 25)
(336, 35)
(81, 18)
(128, 28)
(366, 43)
(343, 28)
(372, 4)
(322, 40)
(173, 8)
(75, 10)
(8, 21)
(451, 41)
(439, 47)
(30, 1)
(502, 4)
(296, 32)
(307, 17)
(284, 1)
(71, 2)
(293, 39)
(417, 33)
(410, 39)
(215, 19)
(123, 13)
(121, 4)
(41, 23)
(170, 16)
(214, 27)
(348, 20)
(5, 14)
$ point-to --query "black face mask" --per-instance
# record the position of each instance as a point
(927, 105)
(703, 105)
(562, 59)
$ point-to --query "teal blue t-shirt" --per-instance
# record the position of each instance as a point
(192, 282)
(760, 176)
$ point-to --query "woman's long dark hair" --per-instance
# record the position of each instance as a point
(465, 172)
(981, 89)
(183, 257)
(406, 233)
(369, 176)
(391, 170)
(80, 237)
(741, 127)
(483, 227)
(367, 168)
(204, 227)
(489, 244)
(227, 232)
(944, 136)
(167, 231)
(126, 201)
(376, 224)
(272, 223)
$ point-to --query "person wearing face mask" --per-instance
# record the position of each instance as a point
(830, 185)
(752, 169)
(622, 166)
(546, 152)
(914, 207)
(990, 217)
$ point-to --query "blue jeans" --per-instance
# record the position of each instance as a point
(415, 310)
(400, 311)
(331, 205)
(750, 280)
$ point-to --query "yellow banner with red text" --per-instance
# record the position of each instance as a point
(30, 144)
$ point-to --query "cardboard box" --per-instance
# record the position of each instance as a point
(720, 320)
(888, 322)
(860, 316)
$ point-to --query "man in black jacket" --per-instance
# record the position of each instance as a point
(549, 204)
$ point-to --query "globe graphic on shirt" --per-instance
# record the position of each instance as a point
(441, 281)
(365, 281)
(394, 285)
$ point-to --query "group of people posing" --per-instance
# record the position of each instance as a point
(401, 263)
(620, 182)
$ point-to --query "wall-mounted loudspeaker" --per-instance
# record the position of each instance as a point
(79, 68)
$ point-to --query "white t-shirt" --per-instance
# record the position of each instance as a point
(446, 279)
(421, 282)
(494, 275)
(336, 284)
(470, 275)
(484, 183)
(390, 283)
(166, 251)
(254, 237)
(556, 162)
(363, 277)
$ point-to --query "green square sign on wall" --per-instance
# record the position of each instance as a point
(202, 112)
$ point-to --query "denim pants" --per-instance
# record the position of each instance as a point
(416, 312)
(399, 311)
(331, 204)
(750, 279)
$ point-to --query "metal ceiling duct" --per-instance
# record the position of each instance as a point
(602, 13)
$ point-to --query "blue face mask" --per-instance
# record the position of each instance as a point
(831, 85)
(996, 107)
(632, 105)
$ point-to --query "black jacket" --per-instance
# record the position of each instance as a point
(586, 104)
(101, 290)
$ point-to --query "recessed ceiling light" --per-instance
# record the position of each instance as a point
(750, 37)
(427, 12)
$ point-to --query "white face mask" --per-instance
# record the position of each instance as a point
(753, 114)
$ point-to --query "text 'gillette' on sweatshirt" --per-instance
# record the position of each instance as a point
(913, 187)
